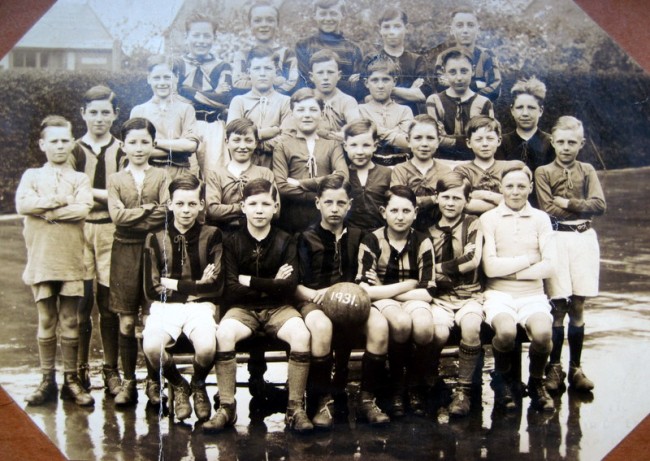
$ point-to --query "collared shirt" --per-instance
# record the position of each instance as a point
(287, 64)
(264, 111)
(367, 199)
(489, 179)
(203, 76)
(392, 122)
(578, 183)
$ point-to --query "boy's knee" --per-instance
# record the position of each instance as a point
(423, 333)
(127, 326)
(470, 329)
(319, 326)
(400, 327)
(440, 335)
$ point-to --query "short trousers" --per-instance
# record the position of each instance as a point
(577, 267)
(307, 307)
(177, 318)
(520, 309)
(127, 292)
(407, 306)
(44, 290)
(97, 252)
(269, 320)
(450, 309)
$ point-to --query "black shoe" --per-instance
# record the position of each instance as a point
(323, 418)
(416, 401)
(539, 397)
(182, 407)
(112, 380)
(225, 416)
(72, 390)
(369, 411)
(46, 391)
(201, 401)
(554, 381)
(83, 371)
(503, 393)
(297, 420)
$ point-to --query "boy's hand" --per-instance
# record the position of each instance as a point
(372, 278)
(284, 272)
(417, 83)
(148, 206)
(293, 181)
(561, 202)
(480, 84)
(245, 280)
(222, 88)
(354, 78)
(169, 284)
(533, 258)
(319, 296)
(469, 248)
(208, 274)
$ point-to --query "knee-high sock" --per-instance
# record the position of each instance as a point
(171, 373)
(372, 367)
(502, 360)
(69, 351)
(47, 354)
(419, 364)
(576, 336)
(298, 371)
(398, 354)
(538, 362)
(109, 327)
(320, 375)
(468, 359)
(226, 367)
(85, 326)
(200, 372)
(558, 342)
(129, 355)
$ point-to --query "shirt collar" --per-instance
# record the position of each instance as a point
(505, 211)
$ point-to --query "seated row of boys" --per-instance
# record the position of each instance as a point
(135, 212)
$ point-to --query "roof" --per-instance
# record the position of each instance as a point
(68, 26)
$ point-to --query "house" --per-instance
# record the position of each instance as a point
(69, 36)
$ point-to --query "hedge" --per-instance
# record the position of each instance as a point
(614, 108)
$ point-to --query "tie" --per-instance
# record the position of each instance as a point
(99, 181)
(264, 101)
(182, 247)
(447, 248)
(458, 120)
(524, 153)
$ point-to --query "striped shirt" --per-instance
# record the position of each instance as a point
(489, 179)
(367, 199)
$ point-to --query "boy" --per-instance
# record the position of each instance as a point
(396, 267)
(182, 276)
(328, 255)
(464, 31)
(56, 194)
(458, 244)
(261, 270)
(264, 19)
(455, 106)
(263, 105)
(369, 181)
(137, 199)
(527, 142)
(570, 192)
(225, 186)
(518, 254)
(174, 120)
(328, 15)
(392, 119)
(301, 161)
(422, 172)
(99, 155)
(483, 136)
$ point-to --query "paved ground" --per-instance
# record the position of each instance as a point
(584, 427)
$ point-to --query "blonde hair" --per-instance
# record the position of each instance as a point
(568, 122)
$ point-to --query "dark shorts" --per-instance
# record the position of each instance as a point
(127, 292)
(342, 337)
(268, 320)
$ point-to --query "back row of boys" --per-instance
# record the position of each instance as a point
(397, 265)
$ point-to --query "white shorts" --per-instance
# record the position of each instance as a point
(407, 306)
(177, 318)
(97, 252)
(520, 309)
(577, 267)
(450, 309)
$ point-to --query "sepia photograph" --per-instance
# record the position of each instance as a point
(324, 229)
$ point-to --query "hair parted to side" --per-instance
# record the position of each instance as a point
(392, 14)
(242, 126)
(137, 123)
(400, 191)
(55, 121)
(482, 121)
(302, 95)
(360, 126)
(260, 4)
(259, 186)
(197, 17)
(259, 52)
(324, 55)
(568, 122)
(381, 64)
(531, 86)
(185, 181)
(515, 168)
(334, 182)
(423, 119)
(453, 180)
(463, 8)
(327, 4)
(162, 60)
(100, 93)
(455, 52)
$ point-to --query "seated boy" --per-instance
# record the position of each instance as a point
(392, 119)
(464, 30)
(369, 181)
(55, 200)
(182, 280)
(328, 15)
(455, 106)
(484, 172)
(267, 108)
(570, 192)
(328, 255)
(174, 120)
(261, 275)
(519, 252)
(458, 244)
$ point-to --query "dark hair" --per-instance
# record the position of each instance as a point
(360, 126)
(258, 52)
(532, 86)
(100, 93)
(241, 126)
(424, 119)
(198, 17)
(453, 180)
(467, 9)
(381, 64)
(391, 14)
(482, 121)
(517, 167)
(324, 55)
(259, 186)
(160, 60)
(400, 191)
(325, 4)
(455, 52)
(303, 94)
(185, 181)
(260, 4)
(137, 123)
(55, 121)
(334, 182)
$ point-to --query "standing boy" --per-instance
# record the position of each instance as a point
(570, 192)
(519, 252)
(182, 275)
(261, 275)
(55, 200)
